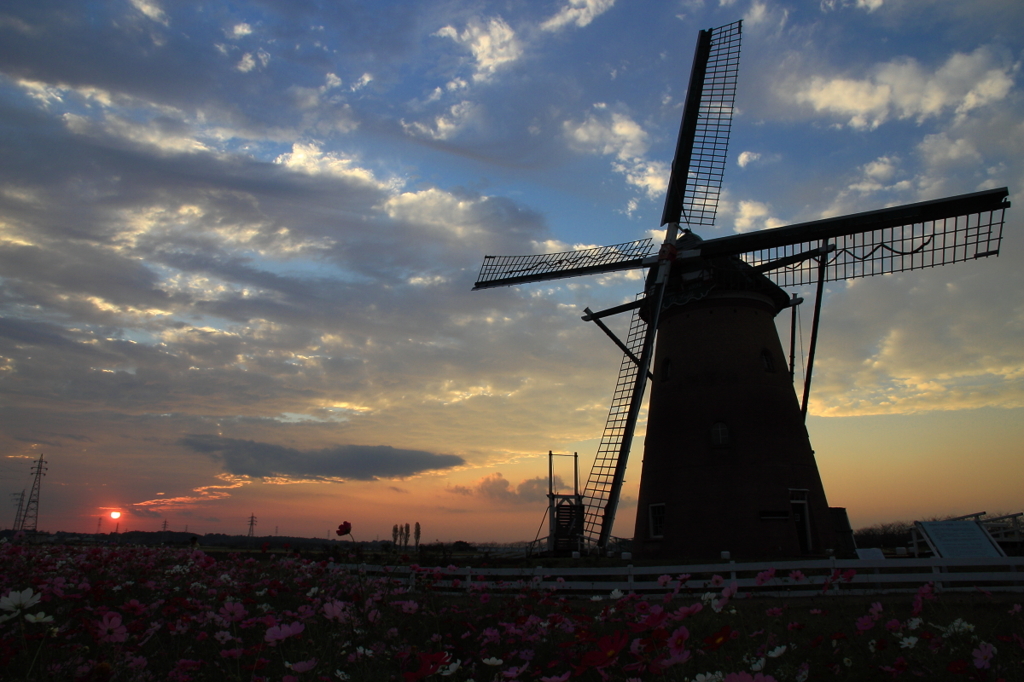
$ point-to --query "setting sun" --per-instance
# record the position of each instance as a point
(115, 515)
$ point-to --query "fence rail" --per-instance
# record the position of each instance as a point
(790, 578)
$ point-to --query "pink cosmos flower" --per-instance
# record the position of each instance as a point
(111, 628)
(983, 655)
(797, 576)
(664, 580)
(677, 641)
(717, 580)
(865, 623)
(283, 631)
(686, 611)
(336, 610)
(764, 576)
(231, 653)
(304, 666)
(233, 611)
(774, 611)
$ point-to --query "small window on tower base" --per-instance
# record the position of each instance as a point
(720, 437)
(656, 520)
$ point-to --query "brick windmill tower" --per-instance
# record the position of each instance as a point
(728, 464)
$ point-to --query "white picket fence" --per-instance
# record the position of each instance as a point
(791, 578)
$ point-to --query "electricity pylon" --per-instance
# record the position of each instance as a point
(21, 509)
(252, 525)
(31, 515)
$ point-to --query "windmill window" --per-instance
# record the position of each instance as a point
(767, 361)
(656, 520)
(720, 437)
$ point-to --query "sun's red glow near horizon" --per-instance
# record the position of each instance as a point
(115, 515)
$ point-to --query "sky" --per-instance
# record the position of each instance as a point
(238, 241)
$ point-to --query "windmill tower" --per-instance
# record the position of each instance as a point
(728, 464)
(30, 516)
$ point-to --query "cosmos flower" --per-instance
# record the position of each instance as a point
(15, 601)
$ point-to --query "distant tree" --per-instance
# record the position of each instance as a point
(416, 537)
(405, 539)
(394, 535)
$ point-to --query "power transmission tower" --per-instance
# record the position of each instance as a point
(31, 516)
(252, 525)
(165, 525)
(21, 509)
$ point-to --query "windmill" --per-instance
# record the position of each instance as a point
(728, 464)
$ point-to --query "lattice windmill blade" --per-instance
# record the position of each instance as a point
(605, 475)
(910, 237)
(699, 162)
(504, 271)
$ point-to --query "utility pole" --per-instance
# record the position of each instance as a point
(30, 518)
(252, 525)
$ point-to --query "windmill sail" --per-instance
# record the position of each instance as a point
(601, 482)
(503, 271)
(911, 237)
(699, 162)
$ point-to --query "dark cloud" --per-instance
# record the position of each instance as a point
(358, 462)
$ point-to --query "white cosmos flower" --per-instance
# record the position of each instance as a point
(19, 600)
(38, 618)
(492, 661)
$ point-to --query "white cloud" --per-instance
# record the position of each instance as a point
(141, 132)
(446, 125)
(616, 134)
(239, 30)
(247, 63)
(578, 12)
(649, 176)
(747, 158)
(363, 81)
(151, 9)
(904, 89)
(753, 215)
(493, 45)
(940, 150)
(309, 159)
(441, 211)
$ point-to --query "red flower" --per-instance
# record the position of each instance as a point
(608, 648)
(958, 667)
(716, 640)
(345, 528)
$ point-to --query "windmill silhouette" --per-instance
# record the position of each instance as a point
(728, 464)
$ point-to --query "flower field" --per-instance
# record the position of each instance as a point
(131, 613)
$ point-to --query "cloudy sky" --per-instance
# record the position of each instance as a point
(237, 242)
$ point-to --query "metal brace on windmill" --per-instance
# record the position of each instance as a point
(728, 464)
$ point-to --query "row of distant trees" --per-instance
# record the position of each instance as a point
(400, 535)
